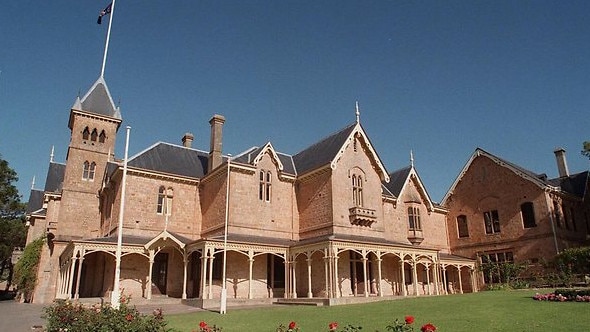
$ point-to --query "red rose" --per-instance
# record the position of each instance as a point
(333, 326)
(409, 320)
(428, 328)
(129, 317)
(292, 325)
(202, 324)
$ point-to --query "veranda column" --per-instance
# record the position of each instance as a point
(149, 276)
(415, 277)
(366, 283)
(335, 282)
(309, 292)
(211, 258)
(404, 292)
(379, 292)
(427, 269)
(327, 276)
(446, 283)
(460, 283)
(250, 266)
(287, 280)
(294, 272)
(77, 293)
(71, 276)
(185, 261)
(204, 261)
(436, 274)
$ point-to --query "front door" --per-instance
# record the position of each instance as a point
(160, 272)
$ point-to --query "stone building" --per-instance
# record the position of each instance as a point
(328, 223)
(501, 212)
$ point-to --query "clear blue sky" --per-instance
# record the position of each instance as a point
(438, 77)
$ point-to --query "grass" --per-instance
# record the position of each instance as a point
(483, 311)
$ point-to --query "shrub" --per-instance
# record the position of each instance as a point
(25, 271)
(70, 316)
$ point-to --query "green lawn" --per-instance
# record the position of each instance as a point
(483, 311)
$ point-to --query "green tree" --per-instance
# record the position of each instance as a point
(12, 229)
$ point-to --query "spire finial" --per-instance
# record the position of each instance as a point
(51, 155)
(411, 158)
(357, 112)
(33, 183)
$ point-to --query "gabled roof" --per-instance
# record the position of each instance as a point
(181, 241)
(328, 151)
(98, 100)
(537, 179)
(399, 179)
(35, 202)
(55, 177)
(171, 159)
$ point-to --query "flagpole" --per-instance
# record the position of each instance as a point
(116, 293)
(106, 47)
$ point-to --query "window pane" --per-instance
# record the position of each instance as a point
(528, 215)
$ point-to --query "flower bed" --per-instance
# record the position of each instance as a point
(398, 326)
(564, 295)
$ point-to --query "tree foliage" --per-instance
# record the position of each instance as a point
(9, 197)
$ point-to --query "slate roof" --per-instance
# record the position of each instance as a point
(55, 177)
(255, 239)
(98, 100)
(172, 159)
(322, 152)
(127, 239)
(397, 180)
(574, 184)
(35, 201)
(248, 156)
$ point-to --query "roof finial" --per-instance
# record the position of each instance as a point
(33, 183)
(51, 155)
(357, 112)
(411, 158)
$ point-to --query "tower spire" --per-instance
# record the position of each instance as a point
(411, 158)
(51, 155)
(33, 183)
(357, 112)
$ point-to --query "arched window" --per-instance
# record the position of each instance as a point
(357, 190)
(85, 133)
(462, 226)
(102, 137)
(89, 170)
(94, 135)
(527, 212)
(264, 187)
(414, 218)
(165, 201)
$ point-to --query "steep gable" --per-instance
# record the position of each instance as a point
(399, 184)
(329, 150)
(537, 179)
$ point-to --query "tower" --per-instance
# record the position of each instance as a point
(94, 122)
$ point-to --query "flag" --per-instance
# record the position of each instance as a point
(104, 12)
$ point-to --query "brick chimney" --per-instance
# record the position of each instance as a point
(187, 140)
(561, 162)
(215, 158)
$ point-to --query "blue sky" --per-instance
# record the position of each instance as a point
(440, 78)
